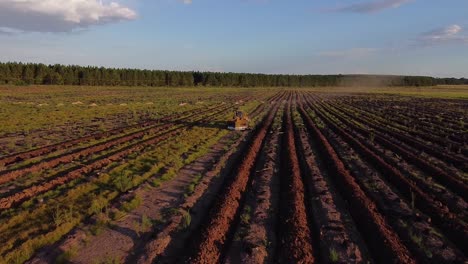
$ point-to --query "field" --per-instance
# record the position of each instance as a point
(152, 175)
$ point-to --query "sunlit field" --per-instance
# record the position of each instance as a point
(145, 174)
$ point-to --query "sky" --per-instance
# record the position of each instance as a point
(403, 37)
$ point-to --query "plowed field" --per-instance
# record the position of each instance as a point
(319, 178)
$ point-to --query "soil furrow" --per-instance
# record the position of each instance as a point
(294, 235)
(208, 246)
(168, 243)
(339, 242)
(90, 150)
(8, 202)
(381, 239)
(447, 221)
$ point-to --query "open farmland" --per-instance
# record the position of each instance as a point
(152, 175)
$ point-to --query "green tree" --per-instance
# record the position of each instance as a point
(53, 78)
(28, 74)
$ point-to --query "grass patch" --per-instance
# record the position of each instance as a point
(132, 204)
(117, 215)
(186, 219)
(66, 256)
(191, 187)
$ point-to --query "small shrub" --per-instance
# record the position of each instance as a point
(61, 216)
(146, 222)
(193, 184)
(117, 214)
(132, 204)
(137, 228)
(191, 188)
(416, 239)
(171, 173)
(65, 257)
(104, 178)
(186, 219)
(245, 217)
(97, 228)
(143, 225)
(334, 257)
(156, 182)
(123, 181)
(97, 205)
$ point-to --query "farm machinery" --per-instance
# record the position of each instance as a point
(239, 122)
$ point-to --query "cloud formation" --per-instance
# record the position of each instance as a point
(449, 34)
(370, 7)
(8, 31)
(59, 15)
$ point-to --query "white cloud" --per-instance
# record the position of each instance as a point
(8, 31)
(449, 34)
(187, 2)
(60, 15)
(370, 7)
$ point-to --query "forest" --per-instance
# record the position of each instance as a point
(41, 74)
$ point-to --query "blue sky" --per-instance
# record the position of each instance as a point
(416, 37)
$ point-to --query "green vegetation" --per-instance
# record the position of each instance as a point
(439, 91)
(123, 181)
(21, 74)
(65, 256)
(93, 195)
(67, 112)
(186, 219)
(97, 205)
(61, 216)
(142, 226)
(132, 204)
(245, 217)
(334, 257)
(195, 181)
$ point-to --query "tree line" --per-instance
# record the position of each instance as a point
(32, 73)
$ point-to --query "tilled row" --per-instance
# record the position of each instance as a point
(338, 240)
(257, 231)
(104, 147)
(417, 110)
(415, 229)
(9, 201)
(208, 247)
(457, 160)
(300, 227)
(451, 193)
(156, 247)
(448, 180)
(455, 229)
(90, 150)
(355, 206)
(16, 157)
(130, 252)
(295, 244)
(308, 213)
(380, 237)
(428, 131)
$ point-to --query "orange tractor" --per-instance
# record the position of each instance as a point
(240, 121)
